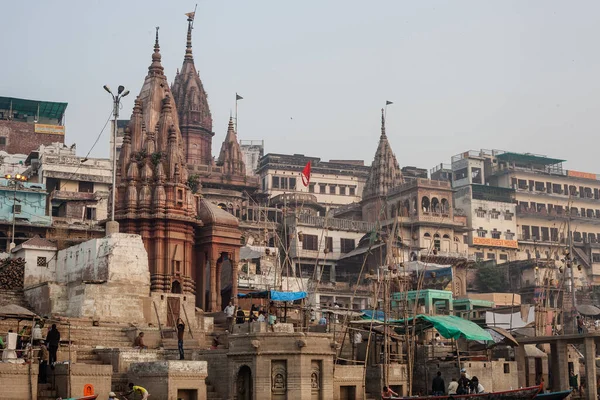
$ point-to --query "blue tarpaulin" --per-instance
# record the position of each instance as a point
(275, 295)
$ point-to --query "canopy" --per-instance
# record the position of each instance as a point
(501, 336)
(449, 327)
(16, 312)
(274, 295)
(588, 310)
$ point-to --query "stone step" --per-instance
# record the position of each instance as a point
(187, 344)
(50, 394)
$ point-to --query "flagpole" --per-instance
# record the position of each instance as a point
(236, 115)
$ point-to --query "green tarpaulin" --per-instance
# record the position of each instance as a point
(453, 327)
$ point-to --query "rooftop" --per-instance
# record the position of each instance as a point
(528, 158)
(43, 109)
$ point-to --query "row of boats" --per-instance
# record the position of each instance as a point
(528, 393)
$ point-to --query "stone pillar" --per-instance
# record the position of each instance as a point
(520, 358)
(332, 273)
(234, 277)
(213, 285)
(590, 367)
(218, 286)
(560, 366)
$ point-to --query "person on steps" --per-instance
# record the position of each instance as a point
(180, 332)
(53, 340)
(138, 390)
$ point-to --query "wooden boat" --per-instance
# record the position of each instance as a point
(91, 397)
(517, 394)
(553, 395)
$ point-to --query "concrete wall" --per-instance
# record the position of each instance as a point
(18, 382)
(31, 198)
(99, 376)
(163, 379)
(35, 274)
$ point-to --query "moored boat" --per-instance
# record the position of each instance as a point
(91, 397)
(553, 395)
(516, 394)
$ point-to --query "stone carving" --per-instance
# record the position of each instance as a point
(315, 376)
(279, 376)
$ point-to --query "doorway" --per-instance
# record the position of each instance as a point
(172, 310)
(244, 384)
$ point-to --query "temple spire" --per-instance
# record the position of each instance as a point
(382, 122)
(156, 66)
(188, 45)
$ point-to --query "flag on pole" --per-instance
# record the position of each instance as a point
(387, 102)
(306, 174)
(191, 15)
(238, 97)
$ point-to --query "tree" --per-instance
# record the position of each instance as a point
(492, 278)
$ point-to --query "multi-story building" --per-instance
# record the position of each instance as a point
(27, 124)
(78, 188)
(548, 200)
(333, 183)
(490, 210)
(253, 150)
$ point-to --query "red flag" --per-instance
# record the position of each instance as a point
(306, 174)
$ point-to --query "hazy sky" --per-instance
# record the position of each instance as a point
(513, 75)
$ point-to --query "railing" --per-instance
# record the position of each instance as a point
(335, 223)
(419, 182)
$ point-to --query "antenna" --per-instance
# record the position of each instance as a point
(196, 6)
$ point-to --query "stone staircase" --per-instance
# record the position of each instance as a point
(8, 296)
(46, 392)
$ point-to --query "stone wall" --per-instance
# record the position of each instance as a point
(99, 376)
(218, 370)
(348, 380)
(18, 381)
(167, 379)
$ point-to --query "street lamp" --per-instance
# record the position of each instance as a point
(121, 92)
(16, 181)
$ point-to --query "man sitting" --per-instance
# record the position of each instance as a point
(388, 393)
(138, 343)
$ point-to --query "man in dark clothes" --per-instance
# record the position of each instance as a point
(464, 383)
(240, 316)
(53, 340)
(180, 332)
(438, 387)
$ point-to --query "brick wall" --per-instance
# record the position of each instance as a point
(21, 138)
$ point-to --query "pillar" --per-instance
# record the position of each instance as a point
(218, 283)
(520, 358)
(560, 366)
(213, 285)
(590, 367)
(234, 276)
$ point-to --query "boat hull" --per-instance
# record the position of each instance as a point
(517, 394)
(553, 396)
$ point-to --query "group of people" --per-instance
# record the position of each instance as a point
(257, 314)
(464, 385)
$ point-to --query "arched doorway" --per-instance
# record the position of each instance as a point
(243, 385)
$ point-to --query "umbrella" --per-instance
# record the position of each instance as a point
(16, 312)
(500, 335)
(585, 309)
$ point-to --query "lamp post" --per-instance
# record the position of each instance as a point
(121, 92)
(15, 180)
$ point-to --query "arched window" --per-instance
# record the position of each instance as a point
(446, 237)
(445, 207)
(406, 208)
(425, 204)
(426, 234)
(436, 236)
(176, 287)
(435, 205)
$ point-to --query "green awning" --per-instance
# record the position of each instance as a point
(449, 327)
(47, 109)
(528, 158)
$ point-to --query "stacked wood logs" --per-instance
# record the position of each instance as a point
(12, 272)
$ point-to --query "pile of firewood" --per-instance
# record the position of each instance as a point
(11, 273)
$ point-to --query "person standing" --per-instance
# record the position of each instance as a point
(180, 332)
(44, 357)
(229, 311)
(53, 340)
(453, 386)
(240, 316)
(438, 386)
(580, 325)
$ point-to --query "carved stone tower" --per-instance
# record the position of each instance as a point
(231, 157)
(195, 120)
(153, 198)
(384, 175)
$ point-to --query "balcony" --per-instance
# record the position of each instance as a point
(556, 214)
(420, 182)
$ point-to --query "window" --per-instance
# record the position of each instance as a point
(437, 244)
(347, 245)
(352, 191)
(481, 233)
(311, 188)
(508, 216)
(292, 182)
(476, 175)
(506, 368)
(90, 213)
(509, 235)
(275, 182)
(525, 232)
(595, 257)
(322, 189)
(491, 256)
(504, 257)
(494, 214)
(332, 189)
(2, 141)
(86, 187)
(310, 242)
(179, 197)
(343, 190)
(545, 234)
(495, 234)
(16, 208)
(535, 232)
(479, 256)
(480, 213)
(41, 262)
(328, 243)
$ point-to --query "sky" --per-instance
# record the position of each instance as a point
(520, 76)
